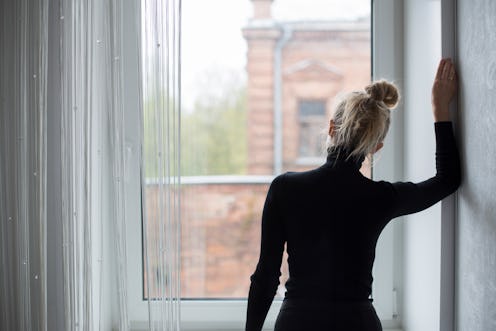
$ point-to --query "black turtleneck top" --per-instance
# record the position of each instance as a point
(330, 219)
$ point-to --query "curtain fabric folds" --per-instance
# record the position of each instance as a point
(23, 63)
(77, 172)
(92, 147)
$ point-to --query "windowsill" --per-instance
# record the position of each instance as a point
(224, 326)
(206, 315)
(228, 315)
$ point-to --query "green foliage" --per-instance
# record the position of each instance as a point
(213, 136)
(158, 142)
(213, 133)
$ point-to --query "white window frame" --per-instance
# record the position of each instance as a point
(387, 63)
(387, 33)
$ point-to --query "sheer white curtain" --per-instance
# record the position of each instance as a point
(23, 59)
(161, 95)
(64, 182)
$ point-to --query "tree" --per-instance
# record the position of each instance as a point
(213, 131)
(213, 139)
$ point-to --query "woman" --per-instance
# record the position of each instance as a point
(331, 217)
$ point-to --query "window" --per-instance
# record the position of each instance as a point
(312, 115)
(230, 147)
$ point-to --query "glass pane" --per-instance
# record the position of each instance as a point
(232, 110)
(312, 117)
(311, 108)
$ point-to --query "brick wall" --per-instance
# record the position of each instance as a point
(260, 98)
(220, 237)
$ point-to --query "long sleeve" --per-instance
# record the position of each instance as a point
(265, 279)
(410, 198)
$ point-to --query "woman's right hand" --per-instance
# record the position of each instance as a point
(443, 90)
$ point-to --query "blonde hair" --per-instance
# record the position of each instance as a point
(361, 119)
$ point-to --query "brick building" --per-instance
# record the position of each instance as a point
(295, 70)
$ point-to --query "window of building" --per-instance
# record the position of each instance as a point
(312, 118)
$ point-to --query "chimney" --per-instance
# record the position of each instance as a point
(262, 9)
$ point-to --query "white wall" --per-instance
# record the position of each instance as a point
(476, 224)
(422, 231)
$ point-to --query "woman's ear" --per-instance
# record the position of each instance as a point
(331, 129)
(378, 147)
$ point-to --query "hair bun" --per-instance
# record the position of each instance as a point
(383, 91)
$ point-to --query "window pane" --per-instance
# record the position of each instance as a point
(309, 108)
(232, 113)
(312, 116)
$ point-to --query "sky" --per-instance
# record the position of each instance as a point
(212, 39)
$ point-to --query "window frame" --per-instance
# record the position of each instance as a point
(230, 314)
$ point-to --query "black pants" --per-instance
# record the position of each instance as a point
(305, 315)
